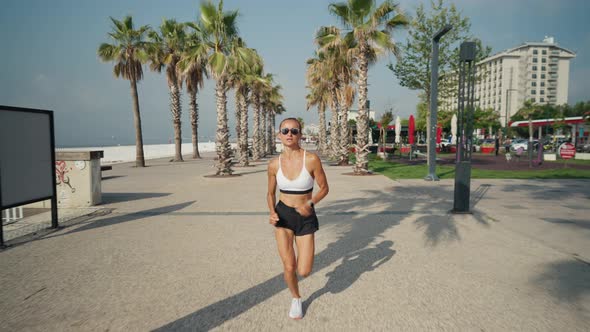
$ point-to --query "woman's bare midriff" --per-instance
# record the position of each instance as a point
(294, 200)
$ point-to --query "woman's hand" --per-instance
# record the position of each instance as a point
(304, 210)
(274, 218)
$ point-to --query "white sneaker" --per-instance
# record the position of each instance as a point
(296, 311)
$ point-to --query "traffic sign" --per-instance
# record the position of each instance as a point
(567, 150)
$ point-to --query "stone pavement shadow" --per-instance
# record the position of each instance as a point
(359, 230)
(567, 280)
(117, 219)
(108, 198)
(353, 265)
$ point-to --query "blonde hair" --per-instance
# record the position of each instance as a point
(287, 119)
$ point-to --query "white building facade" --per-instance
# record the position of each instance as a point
(533, 71)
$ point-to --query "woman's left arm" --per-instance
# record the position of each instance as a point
(317, 171)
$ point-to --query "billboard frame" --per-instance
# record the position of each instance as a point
(53, 197)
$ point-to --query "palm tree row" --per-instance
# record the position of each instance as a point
(191, 52)
(342, 58)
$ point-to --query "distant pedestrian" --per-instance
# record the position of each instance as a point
(294, 215)
(497, 146)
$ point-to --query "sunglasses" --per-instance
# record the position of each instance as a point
(294, 131)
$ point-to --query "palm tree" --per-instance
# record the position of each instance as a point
(260, 86)
(241, 80)
(319, 96)
(166, 51)
(320, 70)
(369, 27)
(341, 61)
(272, 104)
(129, 53)
(219, 30)
(278, 109)
(193, 66)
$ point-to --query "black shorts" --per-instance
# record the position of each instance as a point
(291, 219)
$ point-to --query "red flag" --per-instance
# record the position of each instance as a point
(438, 133)
(411, 127)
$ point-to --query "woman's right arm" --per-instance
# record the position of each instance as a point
(272, 188)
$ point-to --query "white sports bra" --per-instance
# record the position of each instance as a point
(303, 184)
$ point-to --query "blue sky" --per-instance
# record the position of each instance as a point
(49, 58)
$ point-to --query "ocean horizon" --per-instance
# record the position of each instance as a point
(126, 153)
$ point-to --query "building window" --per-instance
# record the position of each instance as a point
(534, 76)
(542, 100)
(544, 60)
(542, 76)
(534, 84)
(544, 52)
(543, 68)
(534, 67)
(542, 92)
(535, 60)
(542, 83)
(535, 52)
(533, 100)
(533, 92)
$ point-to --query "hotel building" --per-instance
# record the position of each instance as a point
(537, 71)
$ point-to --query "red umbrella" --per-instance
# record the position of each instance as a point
(438, 133)
(411, 127)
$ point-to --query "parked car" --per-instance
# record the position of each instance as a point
(519, 143)
(583, 147)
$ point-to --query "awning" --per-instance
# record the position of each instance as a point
(546, 122)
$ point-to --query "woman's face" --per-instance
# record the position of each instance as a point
(288, 138)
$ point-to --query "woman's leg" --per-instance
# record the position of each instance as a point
(284, 238)
(305, 253)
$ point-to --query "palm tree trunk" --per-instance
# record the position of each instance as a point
(269, 133)
(273, 144)
(243, 138)
(238, 151)
(176, 112)
(256, 125)
(194, 119)
(139, 159)
(264, 141)
(343, 153)
(322, 134)
(222, 134)
(334, 126)
(362, 146)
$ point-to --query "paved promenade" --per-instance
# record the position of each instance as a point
(172, 250)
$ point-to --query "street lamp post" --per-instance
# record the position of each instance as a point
(433, 104)
(465, 98)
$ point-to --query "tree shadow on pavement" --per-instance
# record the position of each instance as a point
(438, 223)
(567, 280)
(553, 191)
(359, 230)
(584, 224)
(438, 228)
(353, 265)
